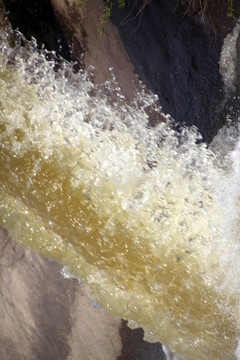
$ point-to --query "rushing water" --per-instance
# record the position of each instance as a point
(147, 217)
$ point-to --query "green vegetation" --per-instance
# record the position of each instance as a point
(107, 12)
(82, 3)
(197, 7)
(33, 17)
(106, 15)
(232, 10)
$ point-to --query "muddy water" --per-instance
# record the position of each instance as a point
(148, 218)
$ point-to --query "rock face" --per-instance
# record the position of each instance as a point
(177, 57)
(90, 49)
(44, 316)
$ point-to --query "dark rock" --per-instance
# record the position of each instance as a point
(37, 19)
(177, 57)
(135, 348)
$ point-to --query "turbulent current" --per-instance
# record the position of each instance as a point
(147, 217)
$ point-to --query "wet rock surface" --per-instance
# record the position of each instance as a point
(45, 316)
(177, 57)
(175, 52)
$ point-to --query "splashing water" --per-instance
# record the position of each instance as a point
(145, 216)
